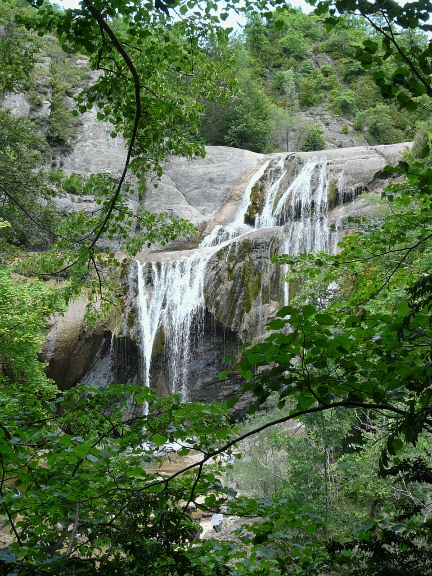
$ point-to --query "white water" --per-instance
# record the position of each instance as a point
(303, 209)
(173, 299)
(266, 218)
(221, 235)
(171, 293)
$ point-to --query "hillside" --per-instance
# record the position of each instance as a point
(297, 88)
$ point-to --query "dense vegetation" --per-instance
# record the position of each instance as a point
(81, 490)
(296, 76)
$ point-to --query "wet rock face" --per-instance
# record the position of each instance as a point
(242, 287)
(75, 353)
(349, 169)
(102, 359)
(117, 361)
(210, 353)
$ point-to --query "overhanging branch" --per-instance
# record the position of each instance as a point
(138, 113)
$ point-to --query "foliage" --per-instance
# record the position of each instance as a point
(61, 123)
(24, 185)
(82, 471)
(25, 307)
(17, 48)
(368, 349)
(314, 87)
(248, 124)
(158, 110)
(244, 120)
(281, 38)
(314, 139)
(289, 131)
(422, 143)
(285, 89)
(408, 80)
(379, 125)
(93, 478)
(361, 68)
(343, 102)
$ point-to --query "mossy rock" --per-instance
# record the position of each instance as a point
(159, 343)
(132, 317)
(252, 289)
(257, 200)
(332, 194)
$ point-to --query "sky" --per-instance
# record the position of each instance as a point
(296, 3)
(231, 22)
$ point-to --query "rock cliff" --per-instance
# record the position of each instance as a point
(197, 306)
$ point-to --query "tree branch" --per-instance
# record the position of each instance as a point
(391, 38)
(138, 113)
(74, 530)
(27, 213)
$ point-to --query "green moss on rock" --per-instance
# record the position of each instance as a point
(132, 317)
(256, 201)
(332, 194)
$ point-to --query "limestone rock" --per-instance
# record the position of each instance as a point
(357, 165)
(242, 289)
(94, 150)
(18, 104)
(69, 348)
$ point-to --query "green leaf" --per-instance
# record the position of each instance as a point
(324, 319)
(159, 439)
(310, 528)
(231, 402)
(308, 311)
(92, 458)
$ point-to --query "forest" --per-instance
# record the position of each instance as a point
(327, 467)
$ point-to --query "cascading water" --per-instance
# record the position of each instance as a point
(173, 300)
(303, 209)
(266, 218)
(221, 235)
(171, 292)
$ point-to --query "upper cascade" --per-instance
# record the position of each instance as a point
(212, 191)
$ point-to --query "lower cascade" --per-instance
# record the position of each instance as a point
(171, 296)
(188, 310)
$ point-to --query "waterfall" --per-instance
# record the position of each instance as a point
(221, 235)
(266, 218)
(302, 209)
(150, 307)
(171, 290)
(173, 296)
